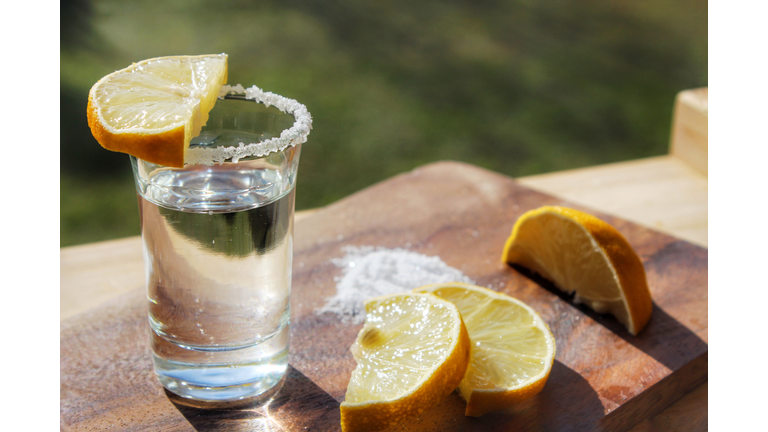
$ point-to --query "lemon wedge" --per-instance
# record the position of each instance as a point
(153, 108)
(584, 256)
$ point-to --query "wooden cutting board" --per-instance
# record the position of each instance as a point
(603, 377)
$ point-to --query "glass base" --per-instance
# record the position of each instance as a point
(196, 386)
(210, 377)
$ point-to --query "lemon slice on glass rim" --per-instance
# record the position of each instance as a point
(153, 108)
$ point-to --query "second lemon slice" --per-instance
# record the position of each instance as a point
(512, 348)
(411, 353)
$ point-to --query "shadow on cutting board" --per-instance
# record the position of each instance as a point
(565, 390)
(300, 405)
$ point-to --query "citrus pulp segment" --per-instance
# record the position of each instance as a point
(585, 256)
(512, 347)
(152, 109)
(411, 353)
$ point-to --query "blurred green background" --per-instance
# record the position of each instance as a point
(518, 86)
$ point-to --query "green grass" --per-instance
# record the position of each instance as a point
(94, 211)
(518, 87)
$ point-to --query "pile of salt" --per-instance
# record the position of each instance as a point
(370, 272)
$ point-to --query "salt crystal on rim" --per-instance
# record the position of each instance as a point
(293, 136)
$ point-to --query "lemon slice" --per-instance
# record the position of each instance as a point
(411, 353)
(152, 109)
(512, 348)
(581, 254)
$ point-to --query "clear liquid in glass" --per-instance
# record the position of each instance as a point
(218, 247)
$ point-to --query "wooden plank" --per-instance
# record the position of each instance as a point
(662, 192)
(92, 274)
(690, 123)
(603, 378)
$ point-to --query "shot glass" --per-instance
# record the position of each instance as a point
(218, 246)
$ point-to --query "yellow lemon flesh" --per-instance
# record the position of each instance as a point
(153, 108)
(584, 256)
(512, 347)
(411, 353)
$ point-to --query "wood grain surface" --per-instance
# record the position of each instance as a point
(662, 192)
(690, 128)
(603, 378)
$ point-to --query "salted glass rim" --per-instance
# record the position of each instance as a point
(291, 137)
